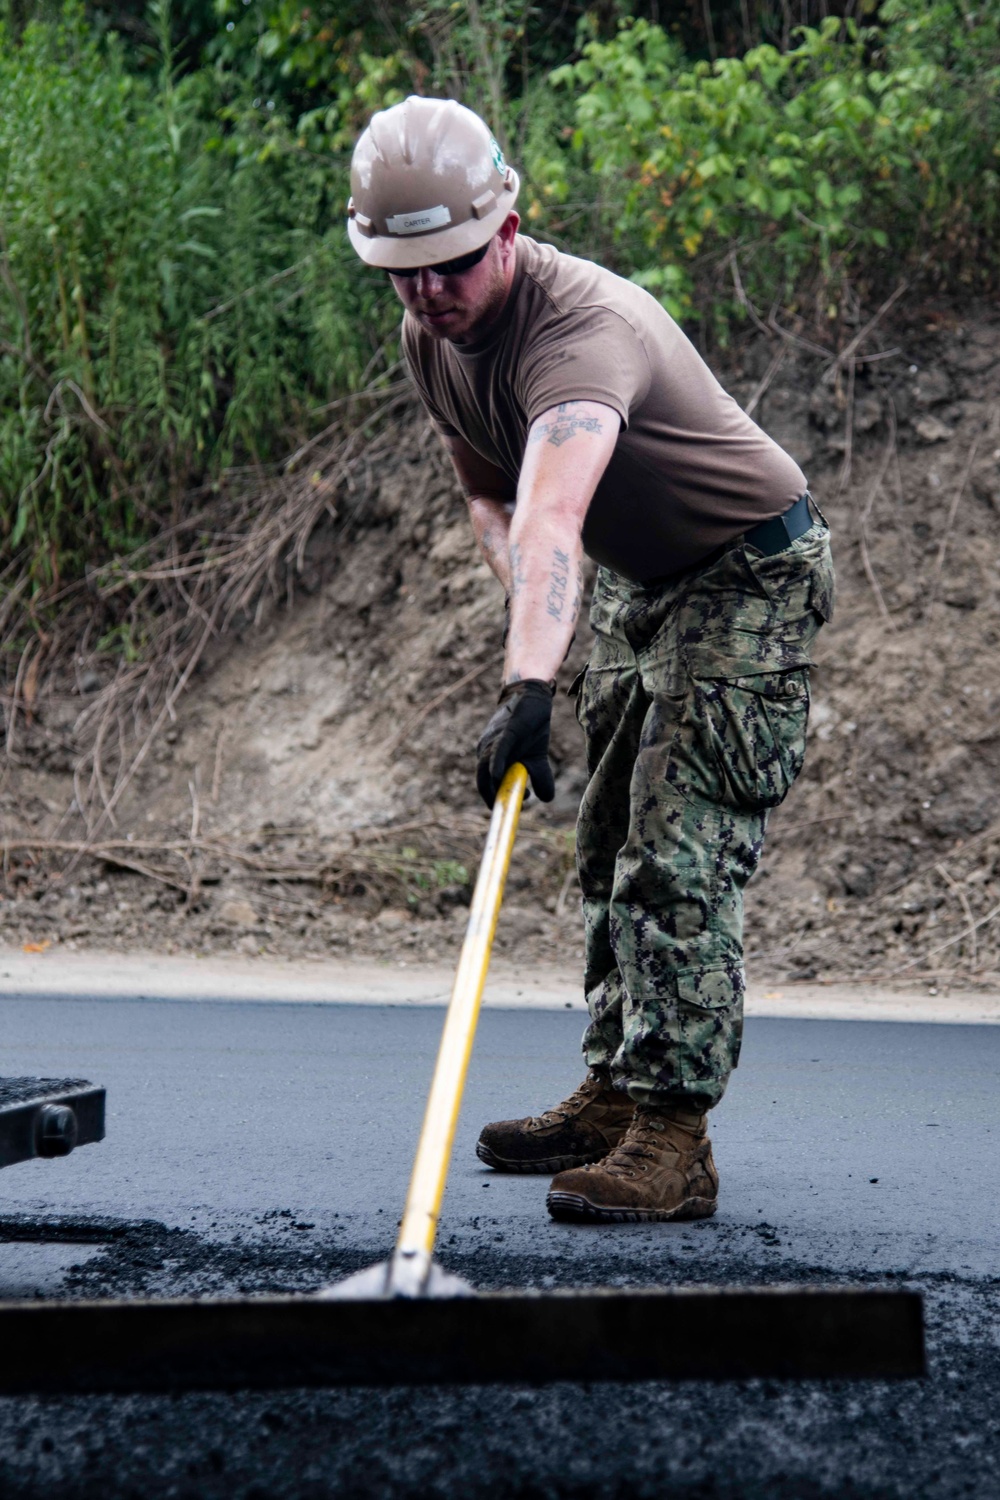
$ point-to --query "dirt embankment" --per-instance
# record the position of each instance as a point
(315, 792)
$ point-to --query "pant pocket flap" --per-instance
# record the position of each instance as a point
(792, 684)
(746, 654)
(663, 677)
(710, 989)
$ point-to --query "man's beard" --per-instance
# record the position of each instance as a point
(491, 305)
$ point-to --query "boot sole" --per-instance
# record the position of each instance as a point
(551, 1165)
(574, 1207)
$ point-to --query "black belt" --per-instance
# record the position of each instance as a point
(775, 535)
(768, 537)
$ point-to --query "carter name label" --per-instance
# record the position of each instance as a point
(416, 223)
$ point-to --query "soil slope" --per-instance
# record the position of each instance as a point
(324, 760)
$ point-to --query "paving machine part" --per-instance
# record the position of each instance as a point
(271, 1343)
(48, 1117)
(407, 1321)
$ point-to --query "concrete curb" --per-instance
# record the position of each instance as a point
(57, 974)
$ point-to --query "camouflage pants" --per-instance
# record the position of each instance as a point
(694, 704)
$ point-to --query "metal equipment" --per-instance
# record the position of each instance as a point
(48, 1117)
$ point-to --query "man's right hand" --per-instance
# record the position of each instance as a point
(517, 732)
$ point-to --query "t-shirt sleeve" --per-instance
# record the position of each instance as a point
(587, 354)
(418, 374)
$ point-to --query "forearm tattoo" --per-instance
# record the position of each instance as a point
(564, 425)
(560, 605)
(518, 577)
(555, 601)
(490, 546)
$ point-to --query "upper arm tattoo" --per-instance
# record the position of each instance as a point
(564, 425)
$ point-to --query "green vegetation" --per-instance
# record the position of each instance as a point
(176, 293)
(852, 155)
(421, 874)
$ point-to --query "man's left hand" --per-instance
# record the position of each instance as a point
(517, 732)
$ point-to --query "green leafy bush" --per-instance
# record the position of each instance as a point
(849, 152)
(332, 62)
(177, 293)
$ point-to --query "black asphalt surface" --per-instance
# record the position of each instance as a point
(264, 1147)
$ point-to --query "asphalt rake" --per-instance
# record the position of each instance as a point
(408, 1321)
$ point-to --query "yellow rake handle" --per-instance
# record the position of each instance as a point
(430, 1169)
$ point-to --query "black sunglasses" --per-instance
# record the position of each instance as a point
(448, 267)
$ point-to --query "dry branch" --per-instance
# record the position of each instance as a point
(437, 701)
(950, 521)
(777, 360)
(217, 563)
(967, 932)
(866, 562)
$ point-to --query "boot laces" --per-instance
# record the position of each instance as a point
(577, 1100)
(643, 1141)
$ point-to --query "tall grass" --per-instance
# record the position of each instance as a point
(175, 295)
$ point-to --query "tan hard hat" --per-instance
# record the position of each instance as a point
(428, 183)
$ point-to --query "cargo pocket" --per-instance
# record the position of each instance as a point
(575, 691)
(799, 582)
(710, 1006)
(822, 590)
(754, 732)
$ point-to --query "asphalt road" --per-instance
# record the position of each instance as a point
(266, 1147)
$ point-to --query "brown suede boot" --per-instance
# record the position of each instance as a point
(582, 1128)
(663, 1169)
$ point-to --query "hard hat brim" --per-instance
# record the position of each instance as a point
(391, 252)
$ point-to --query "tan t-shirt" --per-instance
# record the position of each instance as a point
(690, 470)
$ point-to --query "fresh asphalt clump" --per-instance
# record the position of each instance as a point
(143, 1257)
(742, 1440)
(328, 1099)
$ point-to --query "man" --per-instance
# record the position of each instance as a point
(580, 419)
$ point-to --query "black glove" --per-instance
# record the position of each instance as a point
(517, 732)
